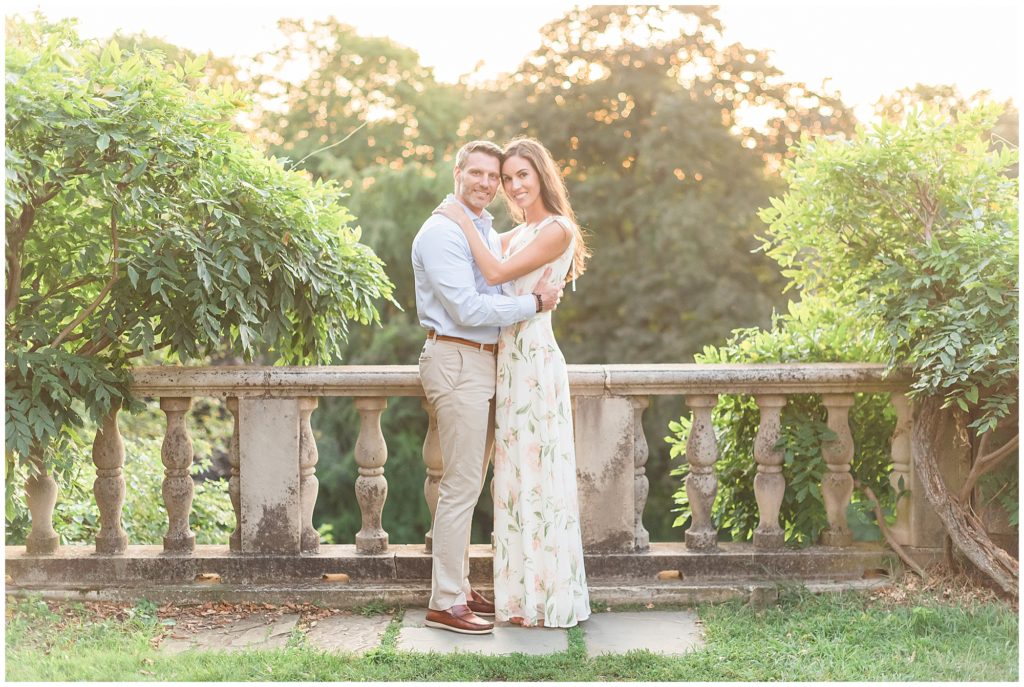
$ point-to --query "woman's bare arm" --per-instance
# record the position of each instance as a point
(552, 240)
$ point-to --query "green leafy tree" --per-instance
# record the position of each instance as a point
(138, 220)
(216, 71)
(348, 83)
(918, 221)
(948, 100)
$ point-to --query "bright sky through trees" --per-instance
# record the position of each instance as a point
(864, 49)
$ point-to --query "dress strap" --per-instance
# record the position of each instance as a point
(564, 221)
(566, 224)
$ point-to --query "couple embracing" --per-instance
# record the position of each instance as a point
(494, 374)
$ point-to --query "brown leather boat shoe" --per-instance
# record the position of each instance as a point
(458, 619)
(480, 605)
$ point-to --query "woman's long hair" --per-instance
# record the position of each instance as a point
(552, 193)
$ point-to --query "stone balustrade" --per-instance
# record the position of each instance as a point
(273, 454)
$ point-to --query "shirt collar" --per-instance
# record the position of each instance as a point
(483, 222)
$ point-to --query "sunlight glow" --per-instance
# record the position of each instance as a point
(860, 51)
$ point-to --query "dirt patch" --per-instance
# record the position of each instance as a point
(957, 586)
(182, 621)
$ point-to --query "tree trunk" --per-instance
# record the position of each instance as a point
(966, 531)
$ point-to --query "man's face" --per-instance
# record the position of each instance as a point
(477, 184)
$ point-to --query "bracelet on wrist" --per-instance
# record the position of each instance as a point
(540, 302)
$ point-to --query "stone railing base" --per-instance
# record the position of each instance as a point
(338, 576)
(416, 594)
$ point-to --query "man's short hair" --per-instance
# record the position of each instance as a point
(473, 147)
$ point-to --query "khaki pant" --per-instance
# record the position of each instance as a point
(459, 382)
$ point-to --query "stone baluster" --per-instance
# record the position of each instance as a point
(234, 482)
(108, 488)
(177, 456)
(899, 478)
(701, 483)
(641, 485)
(371, 485)
(308, 483)
(41, 495)
(837, 484)
(435, 466)
(769, 484)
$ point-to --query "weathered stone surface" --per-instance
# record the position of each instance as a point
(255, 632)
(900, 477)
(413, 562)
(234, 482)
(109, 486)
(41, 495)
(837, 483)
(641, 485)
(769, 484)
(404, 572)
(744, 378)
(269, 475)
(416, 595)
(662, 632)
(308, 483)
(78, 565)
(176, 454)
(701, 482)
(371, 452)
(584, 380)
(735, 571)
(605, 467)
(353, 634)
(506, 639)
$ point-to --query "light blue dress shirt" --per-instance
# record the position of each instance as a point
(452, 296)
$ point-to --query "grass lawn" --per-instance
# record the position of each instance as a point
(921, 636)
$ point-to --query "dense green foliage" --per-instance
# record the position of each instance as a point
(812, 331)
(804, 637)
(903, 242)
(919, 223)
(918, 219)
(76, 517)
(138, 220)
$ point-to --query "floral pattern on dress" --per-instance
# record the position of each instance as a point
(538, 557)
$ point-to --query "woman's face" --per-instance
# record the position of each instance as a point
(520, 181)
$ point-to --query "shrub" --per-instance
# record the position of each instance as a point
(76, 515)
(812, 331)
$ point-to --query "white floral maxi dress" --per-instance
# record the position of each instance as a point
(538, 558)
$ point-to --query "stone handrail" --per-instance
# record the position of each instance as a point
(586, 380)
(273, 453)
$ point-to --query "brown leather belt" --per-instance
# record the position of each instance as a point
(490, 348)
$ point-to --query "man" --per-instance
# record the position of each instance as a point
(463, 315)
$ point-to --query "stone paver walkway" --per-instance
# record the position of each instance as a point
(660, 632)
(506, 639)
(348, 633)
(255, 632)
(664, 632)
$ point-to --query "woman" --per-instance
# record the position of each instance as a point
(539, 579)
